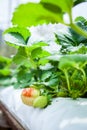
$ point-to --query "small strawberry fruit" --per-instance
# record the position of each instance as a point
(28, 95)
(40, 101)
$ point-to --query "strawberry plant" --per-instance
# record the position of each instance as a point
(5, 71)
(61, 74)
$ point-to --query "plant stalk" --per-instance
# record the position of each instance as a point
(78, 30)
(84, 75)
(67, 80)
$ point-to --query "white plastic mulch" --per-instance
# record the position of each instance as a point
(62, 114)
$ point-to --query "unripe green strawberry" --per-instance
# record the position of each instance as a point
(40, 101)
(62, 94)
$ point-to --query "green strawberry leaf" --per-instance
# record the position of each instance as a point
(33, 14)
(17, 36)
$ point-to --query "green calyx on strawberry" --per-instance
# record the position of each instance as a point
(40, 101)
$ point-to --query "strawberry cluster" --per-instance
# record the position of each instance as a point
(32, 97)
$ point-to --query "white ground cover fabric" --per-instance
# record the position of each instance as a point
(62, 114)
